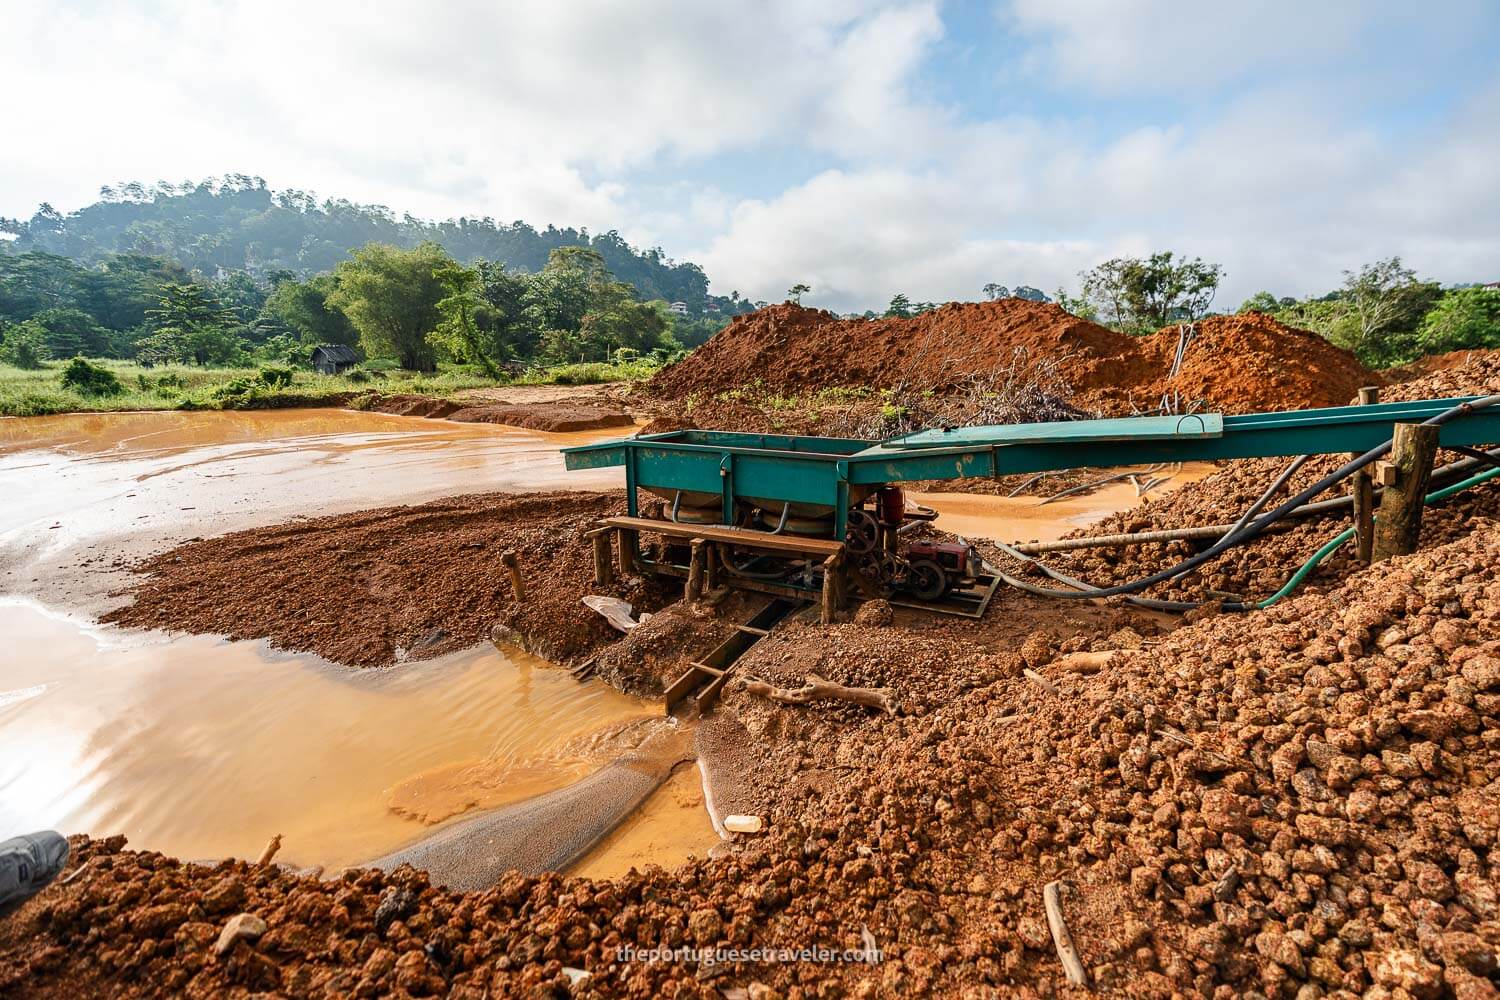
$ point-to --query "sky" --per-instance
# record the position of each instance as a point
(862, 148)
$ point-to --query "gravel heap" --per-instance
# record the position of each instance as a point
(1298, 802)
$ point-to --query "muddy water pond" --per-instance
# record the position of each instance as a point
(203, 748)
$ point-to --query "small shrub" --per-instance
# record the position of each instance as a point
(275, 378)
(90, 380)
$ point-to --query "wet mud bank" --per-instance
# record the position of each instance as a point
(378, 587)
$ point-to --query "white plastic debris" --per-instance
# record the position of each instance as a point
(615, 611)
(743, 824)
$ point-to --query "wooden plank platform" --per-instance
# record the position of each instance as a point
(763, 540)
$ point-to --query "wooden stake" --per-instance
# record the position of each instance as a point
(1413, 448)
(603, 564)
(830, 588)
(272, 846)
(512, 562)
(711, 569)
(1364, 494)
(1066, 953)
(695, 571)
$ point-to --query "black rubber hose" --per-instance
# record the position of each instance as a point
(1475, 453)
(1254, 528)
(1271, 491)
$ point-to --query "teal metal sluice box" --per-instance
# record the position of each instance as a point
(782, 476)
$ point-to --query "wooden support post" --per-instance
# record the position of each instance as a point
(711, 571)
(628, 546)
(1364, 494)
(695, 571)
(830, 587)
(512, 562)
(603, 560)
(1400, 523)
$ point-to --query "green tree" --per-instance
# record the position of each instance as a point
(506, 321)
(1078, 305)
(1261, 302)
(302, 309)
(188, 325)
(993, 291)
(795, 293)
(24, 345)
(457, 331)
(391, 296)
(900, 306)
(1143, 294)
(1381, 306)
(1464, 319)
(72, 331)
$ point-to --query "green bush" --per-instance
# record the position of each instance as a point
(90, 380)
(275, 378)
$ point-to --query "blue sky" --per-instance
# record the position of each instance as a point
(864, 148)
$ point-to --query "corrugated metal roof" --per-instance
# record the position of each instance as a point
(337, 353)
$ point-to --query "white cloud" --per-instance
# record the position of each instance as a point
(1252, 135)
(511, 110)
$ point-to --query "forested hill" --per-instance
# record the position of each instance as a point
(238, 224)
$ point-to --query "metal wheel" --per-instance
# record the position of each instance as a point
(863, 533)
(878, 568)
(925, 580)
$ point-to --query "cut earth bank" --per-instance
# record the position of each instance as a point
(1300, 801)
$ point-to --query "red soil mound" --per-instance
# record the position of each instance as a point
(1235, 363)
(1251, 362)
(791, 348)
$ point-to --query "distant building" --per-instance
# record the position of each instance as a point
(331, 359)
(678, 309)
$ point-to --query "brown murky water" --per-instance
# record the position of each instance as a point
(203, 748)
(1025, 519)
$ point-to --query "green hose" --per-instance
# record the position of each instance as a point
(1306, 569)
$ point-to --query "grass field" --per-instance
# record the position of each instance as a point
(27, 393)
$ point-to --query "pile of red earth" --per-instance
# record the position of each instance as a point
(1235, 364)
(1260, 568)
(378, 586)
(1300, 802)
(556, 416)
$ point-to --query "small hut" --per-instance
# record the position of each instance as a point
(332, 359)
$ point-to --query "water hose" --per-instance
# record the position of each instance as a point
(1306, 568)
(1271, 491)
(1292, 583)
(1255, 527)
(1216, 531)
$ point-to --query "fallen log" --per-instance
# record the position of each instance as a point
(819, 689)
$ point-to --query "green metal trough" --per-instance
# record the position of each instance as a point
(815, 476)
